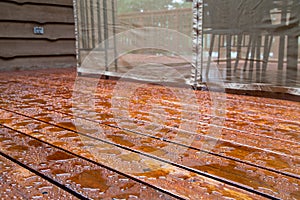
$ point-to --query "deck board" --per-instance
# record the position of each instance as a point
(18, 182)
(78, 175)
(255, 156)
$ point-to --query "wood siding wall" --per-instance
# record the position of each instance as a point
(20, 48)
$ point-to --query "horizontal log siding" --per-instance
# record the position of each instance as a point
(21, 49)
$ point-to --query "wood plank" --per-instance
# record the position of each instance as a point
(78, 176)
(31, 63)
(54, 2)
(247, 130)
(35, 13)
(225, 168)
(10, 48)
(55, 125)
(25, 30)
(20, 183)
(228, 170)
(192, 186)
(20, 48)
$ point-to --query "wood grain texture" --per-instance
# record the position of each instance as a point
(42, 62)
(21, 30)
(38, 13)
(53, 2)
(20, 48)
(10, 48)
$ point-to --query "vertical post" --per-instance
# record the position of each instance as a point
(99, 22)
(282, 37)
(92, 23)
(106, 45)
(82, 23)
(292, 58)
(87, 22)
(197, 42)
(114, 34)
(292, 44)
(76, 17)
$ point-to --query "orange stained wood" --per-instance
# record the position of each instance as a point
(150, 144)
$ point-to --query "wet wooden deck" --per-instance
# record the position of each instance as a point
(55, 146)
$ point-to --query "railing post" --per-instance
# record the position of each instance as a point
(197, 43)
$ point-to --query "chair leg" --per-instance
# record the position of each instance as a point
(267, 49)
(252, 57)
(239, 48)
(281, 52)
(254, 40)
(258, 52)
(219, 49)
(210, 53)
(228, 55)
(247, 53)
